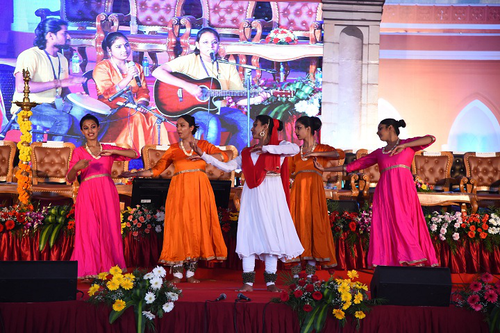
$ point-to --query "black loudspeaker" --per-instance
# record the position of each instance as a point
(413, 286)
(38, 281)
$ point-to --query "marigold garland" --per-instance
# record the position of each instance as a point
(24, 173)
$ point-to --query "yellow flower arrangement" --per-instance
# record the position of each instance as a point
(148, 293)
(313, 299)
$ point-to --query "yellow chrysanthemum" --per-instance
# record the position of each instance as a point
(129, 276)
(346, 305)
(358, 298)
(119, 305)
(112, 285)
(127, 284)
(359, 314)
(118, 278)
(93, 289)
(346, 297)
(362, 286)
(115, 270)
(353, 274)
(344, 288)
(103, 276)
(339, 314)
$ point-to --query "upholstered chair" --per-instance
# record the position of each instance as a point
(154, 28)
(433, 169)
(50, 163)
(88, 24)
(152, 153)
(483, 173)
(368, 178)
(7, 186)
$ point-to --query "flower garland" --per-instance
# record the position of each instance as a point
(24, 174)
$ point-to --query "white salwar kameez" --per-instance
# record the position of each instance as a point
(265, 226)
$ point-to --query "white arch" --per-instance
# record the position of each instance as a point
(475, 129)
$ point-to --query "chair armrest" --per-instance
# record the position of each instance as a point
(364, 184)
(353, 178)
(259, 26)
(245, 30)
(43, 13)
(188, 22)
(315, 31)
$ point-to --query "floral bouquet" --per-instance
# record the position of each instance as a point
(281, 36)
(142, 220)
(481, 296)
(446, 226)
(423, 187)
(228, 219)
(149, 294)
(19, 217)
(313, 300)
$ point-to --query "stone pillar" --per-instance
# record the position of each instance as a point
(350, 72)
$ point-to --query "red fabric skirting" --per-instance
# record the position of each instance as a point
(78, 316)
(466, 257)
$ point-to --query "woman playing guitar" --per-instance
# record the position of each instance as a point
(199, 65)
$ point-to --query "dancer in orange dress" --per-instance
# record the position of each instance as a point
(192, 227)
(308, 200)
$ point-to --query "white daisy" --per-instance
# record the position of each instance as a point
(167, 307)
(150, 297)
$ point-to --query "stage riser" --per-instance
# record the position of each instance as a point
(38, 281)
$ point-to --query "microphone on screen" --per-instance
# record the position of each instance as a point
(136, 77)
(213, 56)
(242, 297)
(221, 297)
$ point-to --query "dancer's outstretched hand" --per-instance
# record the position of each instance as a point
(318, 165)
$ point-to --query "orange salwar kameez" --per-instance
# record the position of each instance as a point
(192, 229)
(309, 210)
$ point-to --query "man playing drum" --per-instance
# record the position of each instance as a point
(50, 79)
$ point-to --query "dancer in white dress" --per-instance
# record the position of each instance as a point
(265, 226)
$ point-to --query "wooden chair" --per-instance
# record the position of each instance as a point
(154, 27)
(7, 186)
(368, 178)
(434, 169)
(482, 171)
(231, 19)
(334, 181)
(50, 163)
(117, 169)
(88, 24)
(305, 19)
(152, 153)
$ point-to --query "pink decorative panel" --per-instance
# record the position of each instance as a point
(155, 12)
(227, 14)
(297, 16)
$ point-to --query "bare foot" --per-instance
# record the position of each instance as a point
(245, 288)
(192, 280)
(175, 280)
(272, 288)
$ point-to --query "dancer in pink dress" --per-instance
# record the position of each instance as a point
(98, 239)
(399, 234)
